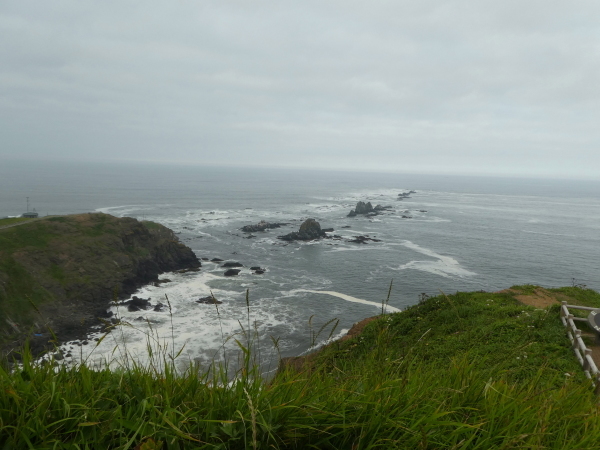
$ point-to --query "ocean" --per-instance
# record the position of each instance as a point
(454, 234)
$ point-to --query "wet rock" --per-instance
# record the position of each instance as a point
(255, 268)
(208, 300)
(262, 226)
(231, 272)
(363, 240)
(135, 304)
(191, 269)
(259, 272)
(309, 230)
(159, 307)
(232, 264)
(403, 195)
(216, 260)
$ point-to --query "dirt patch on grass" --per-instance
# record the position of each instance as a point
(540, 298)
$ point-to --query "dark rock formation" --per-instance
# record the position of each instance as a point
(403, 195)
(255, 268)
(232, 264)
(190, 269)
(216, 260)
(135, 304)
(261, 226)
(209, 300)
(363, 240)
(231, 272)
(367, 209)
(309, 230)
(259, 272)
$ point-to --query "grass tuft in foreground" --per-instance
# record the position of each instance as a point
(463, 371)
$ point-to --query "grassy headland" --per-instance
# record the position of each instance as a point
(464, 371)
(60, 272)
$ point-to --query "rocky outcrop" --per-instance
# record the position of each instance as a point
(72, 267)
(309, 230)
(261, 226)
(363, 240)
(403, 195)
(363, 208)
(232, 272)
(209, 300)
(232, 264)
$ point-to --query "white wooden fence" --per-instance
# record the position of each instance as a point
(582, 352)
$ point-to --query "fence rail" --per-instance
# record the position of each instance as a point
(582, 352)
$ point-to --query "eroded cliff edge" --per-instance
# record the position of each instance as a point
(61, 273)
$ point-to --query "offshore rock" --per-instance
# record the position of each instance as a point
(231, 272)
(261, 226)
(209, 300)
(232, 264)
(403, 195)
(363, 240)
(367, 209)
(309, 230)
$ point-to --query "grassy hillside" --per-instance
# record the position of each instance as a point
(464, 371)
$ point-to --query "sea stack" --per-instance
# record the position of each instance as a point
(309, 230)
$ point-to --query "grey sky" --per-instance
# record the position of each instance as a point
(496, 86)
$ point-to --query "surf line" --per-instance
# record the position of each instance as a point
(349, 298)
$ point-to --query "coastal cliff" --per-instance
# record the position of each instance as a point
(60, 273)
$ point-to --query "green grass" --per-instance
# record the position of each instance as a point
(579, 296)
(19, 293)
(35, 234)
(466, 371)
(151, 225)
(12, 221)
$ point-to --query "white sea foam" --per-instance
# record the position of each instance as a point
(123, 210)
(349, 298)
(203, 330)
(444, 266)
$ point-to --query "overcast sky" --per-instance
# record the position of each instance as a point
(487, 86)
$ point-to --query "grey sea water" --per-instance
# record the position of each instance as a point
(457, 234)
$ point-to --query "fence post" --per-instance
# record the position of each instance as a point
(576, 337)
(586, 364)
